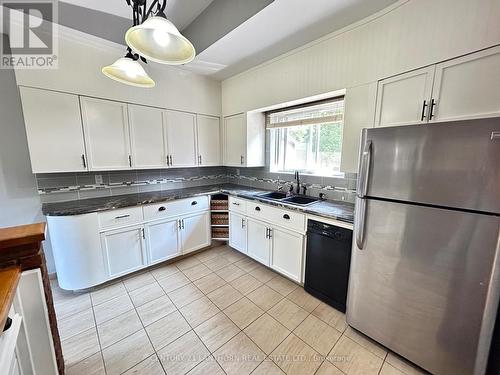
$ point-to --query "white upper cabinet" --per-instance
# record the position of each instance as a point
(468, 87)
(181, 138)
(244, 140)
(235, 139)
(148, 138)
(106, 134)
(54, 131)
(208, 136)
(404, 99)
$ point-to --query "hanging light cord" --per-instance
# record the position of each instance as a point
(139, 9)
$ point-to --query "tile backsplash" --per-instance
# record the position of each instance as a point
(55, 187)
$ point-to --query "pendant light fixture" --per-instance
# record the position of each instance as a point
(153, 37)
(128, 70)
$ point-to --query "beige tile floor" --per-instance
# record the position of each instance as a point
(216, 312)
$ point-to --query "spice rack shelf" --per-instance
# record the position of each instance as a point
(219, 215)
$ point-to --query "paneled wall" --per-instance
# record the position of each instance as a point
(406, 36)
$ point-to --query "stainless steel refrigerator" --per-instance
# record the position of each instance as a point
(425, 267)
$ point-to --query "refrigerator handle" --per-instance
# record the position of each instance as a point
(359, 222)
(366, 158)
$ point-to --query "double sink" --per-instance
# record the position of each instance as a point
(301, 200)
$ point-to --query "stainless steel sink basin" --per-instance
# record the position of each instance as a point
(301, 200)
(274, 195)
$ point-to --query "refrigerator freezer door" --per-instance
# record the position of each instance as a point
(425, 284)
(455, 164)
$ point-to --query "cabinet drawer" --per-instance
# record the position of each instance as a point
(259, 211)
(175, 208)
(237, 204)
(287, 219)
(119, 218)
(277, 216)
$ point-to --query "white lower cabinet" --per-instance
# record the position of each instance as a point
(124, 250)
(270, 235)
(287, 254)
(238, 232)
(258, 244)
(162, 240)
(195, 232)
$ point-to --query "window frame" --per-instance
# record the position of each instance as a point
(278, 138)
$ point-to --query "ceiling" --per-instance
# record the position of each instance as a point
(180, 12)
(230, 36)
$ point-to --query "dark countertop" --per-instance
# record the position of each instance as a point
(330, 209)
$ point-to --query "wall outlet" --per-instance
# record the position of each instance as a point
(98, 179)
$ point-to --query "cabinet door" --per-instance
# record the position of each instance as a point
(106, 134)
(181, 138)
(195, 232)
(238, 232)
(147, 137)
(468, 87)
(287, 253)
(162, 240)
(258, 243)
(123, 250)
(404, 99)
(208, 140)
(235, 140)
(54, 131)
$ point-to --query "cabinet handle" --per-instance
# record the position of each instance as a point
(162, 208)
(257, 208)
(143, 234)
(130, 161)
(286, 216)
(84, 162)
(270, 232)
(267, 232)
(431, 110)
(199, 159)
(236, 204)
(168, 161)
(194, 203)
(180, 224)
(122, 216)
(170, 158)
(241, 159)
(424, 106)
(242, 223)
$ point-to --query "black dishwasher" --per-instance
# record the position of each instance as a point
(328, 258)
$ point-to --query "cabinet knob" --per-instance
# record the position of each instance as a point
(162, 208)
(257, 208)
(286, 216)
(194, 203)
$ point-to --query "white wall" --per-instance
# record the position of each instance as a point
(403, 37)
(81, 57)
(19, 199)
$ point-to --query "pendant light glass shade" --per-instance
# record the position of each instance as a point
(128, 71)
(157, 39)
